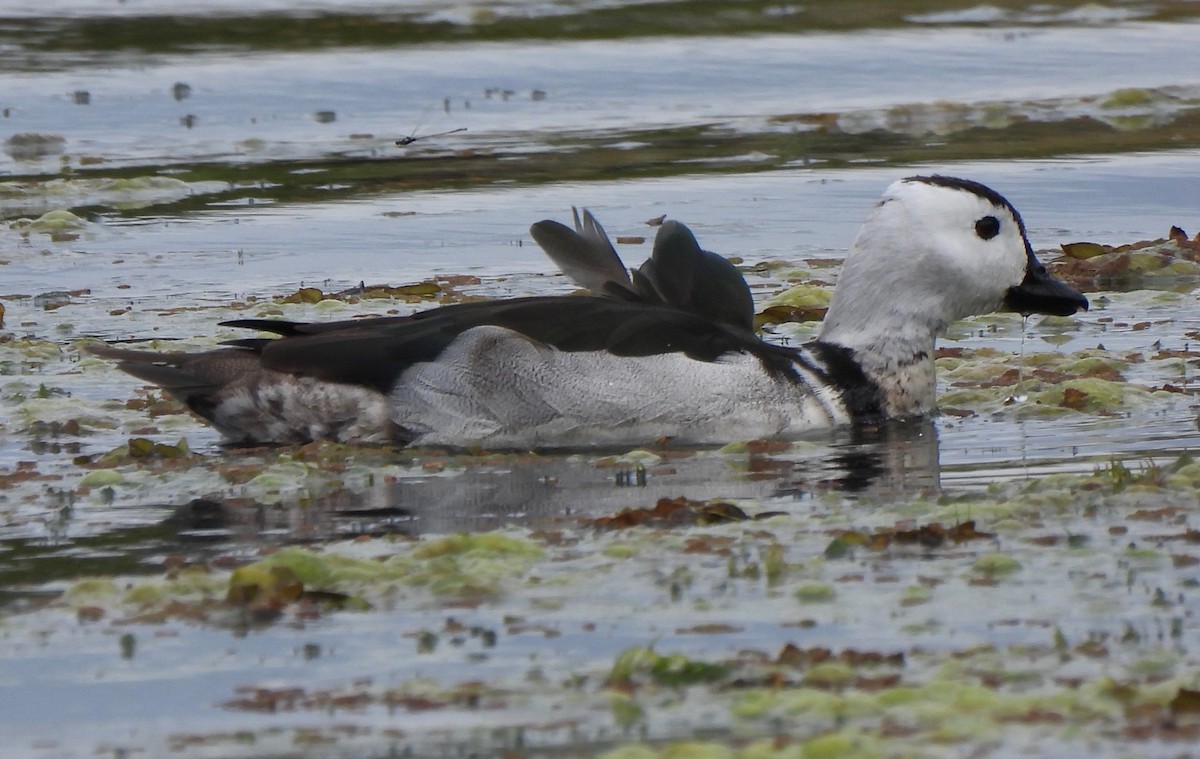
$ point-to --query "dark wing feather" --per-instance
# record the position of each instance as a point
(684, 275)
(274, 326)
(187, 376)
(584, 254)
(374, 352)
(679, 272)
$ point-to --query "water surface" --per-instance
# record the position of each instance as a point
(221, 156)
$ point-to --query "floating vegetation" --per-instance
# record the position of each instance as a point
(677, 512)
(461, 599)
(1149, 263)
(28, 146)
(52, 197)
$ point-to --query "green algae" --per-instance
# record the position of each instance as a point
(316, 569)
(672, 670)
(949, 698)
(815, 593)
(487, 545)
(916, 594)
(458, 565)
(91, 591)
(99, 478)
(841, 745)
(466, 565)
(996, 564)
(1089, 394)
(626, 711)
(803, 296)
(830, 674)
(1088, 381)
(621, 551)
(1131, 97)
(947, 708)
(60, 220)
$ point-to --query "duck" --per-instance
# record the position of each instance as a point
(666, 353)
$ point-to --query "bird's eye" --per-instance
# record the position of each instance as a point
(987, 227)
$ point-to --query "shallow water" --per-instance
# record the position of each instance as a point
(208, 166)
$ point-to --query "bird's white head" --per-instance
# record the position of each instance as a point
(934, 250)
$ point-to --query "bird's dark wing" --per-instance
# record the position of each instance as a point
(374, 352)
(679, 273)
(682, 300)
(682, 274)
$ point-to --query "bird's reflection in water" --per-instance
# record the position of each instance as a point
(894, 459)
(879, 462)
(868, 463)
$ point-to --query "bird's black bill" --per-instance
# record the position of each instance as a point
(1041, 293)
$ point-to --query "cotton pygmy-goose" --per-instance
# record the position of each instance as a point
(667, 353)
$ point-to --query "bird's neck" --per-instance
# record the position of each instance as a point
(899, 368)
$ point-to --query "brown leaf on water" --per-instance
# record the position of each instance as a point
(1154, 722)
(267, 700)
(719, 545)
(785, 314)
(1186, 701)
(719, 512)
(418, 290)
(880, 682)
(1073, 398)
(767, 447)
(714, 628)
(966, 531)
(414, 703)
(672, 512)
(871, 658)
(929, 535)
(1158, 515)
(793, 656)
(1036, 716)
(89, 614)
(532, 629)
